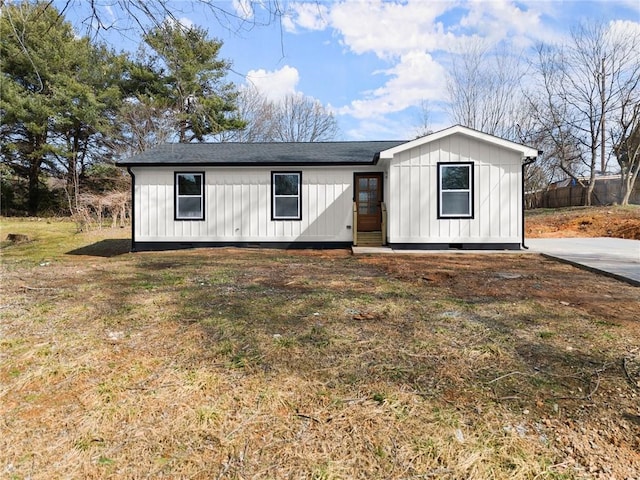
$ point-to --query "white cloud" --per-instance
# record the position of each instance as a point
(186, 22)
(243, 8)
(405, 33)
(182, 21)
(416, 77)
(413, 37)
(519, 23)
(484, 17)
(308, 16)
(391, 29)
(621, 30)
(276, 84)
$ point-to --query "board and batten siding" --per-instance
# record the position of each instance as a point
(413, 190)
(238, 206)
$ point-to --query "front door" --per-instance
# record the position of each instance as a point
(368, 201)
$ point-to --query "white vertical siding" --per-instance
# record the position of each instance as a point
(238, 200)
(238, 206)
(412, 201)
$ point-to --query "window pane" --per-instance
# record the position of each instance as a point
(189, 207)
(286, 184)
(373, 183)
(287, 207)
(189, 184)
(362, 183)
(455, 177)
(455, 203)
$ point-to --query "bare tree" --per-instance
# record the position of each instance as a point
(144, 15)
(583, 84)
(627, 148)
(257, 112)
(424, 126)
(625, 114)
(295, 118)
(144, 125)
(553, 133)
(546, 168)
(484, 88)
(303, 119)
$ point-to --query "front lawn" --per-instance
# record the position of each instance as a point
(238, 364)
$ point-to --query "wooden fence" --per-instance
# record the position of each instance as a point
(606, 192)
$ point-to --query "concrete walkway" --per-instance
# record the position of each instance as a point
(614, 257)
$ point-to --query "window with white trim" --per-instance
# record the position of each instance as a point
(286, 196)
(189, 188)
(455, 190)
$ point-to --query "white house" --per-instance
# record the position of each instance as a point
(456, 188)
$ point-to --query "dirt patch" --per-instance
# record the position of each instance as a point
(620, 222)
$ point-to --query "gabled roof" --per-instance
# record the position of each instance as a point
(527, 152)
(262, 154)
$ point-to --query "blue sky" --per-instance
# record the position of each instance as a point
(374, 62)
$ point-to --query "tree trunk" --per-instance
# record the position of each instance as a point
(588, 199)
(34, 187)
(628, 182)
(73, 187)
(183, 131)
(592, 175)
(626, 192)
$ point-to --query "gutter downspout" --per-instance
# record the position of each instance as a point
(133, 209)
(527, 161)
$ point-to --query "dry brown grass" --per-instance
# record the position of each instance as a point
(241, 364)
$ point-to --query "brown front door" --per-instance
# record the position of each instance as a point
(368, 201)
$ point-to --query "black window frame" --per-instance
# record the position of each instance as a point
(176, 197)
(471, 190)
(273, 195)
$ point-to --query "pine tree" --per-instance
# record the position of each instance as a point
(59, 97)
(193, 77)
(33, 37)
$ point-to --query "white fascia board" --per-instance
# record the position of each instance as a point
(527, 152)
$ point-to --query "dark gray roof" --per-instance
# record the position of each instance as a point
(266, 154)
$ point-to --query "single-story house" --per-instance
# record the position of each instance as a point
(456, 188)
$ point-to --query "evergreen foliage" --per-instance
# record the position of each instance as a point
(192, 77)
(68, 103)
(59, 99)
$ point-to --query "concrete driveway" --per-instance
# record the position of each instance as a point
(616, 257)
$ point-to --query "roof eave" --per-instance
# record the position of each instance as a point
(526, 151)
(374, 161)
